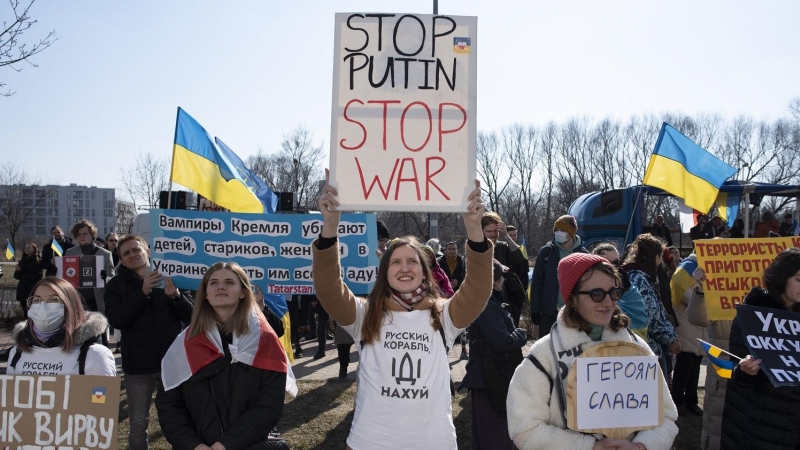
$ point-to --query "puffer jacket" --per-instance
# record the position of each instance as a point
(28, 275)
(534, 414)
(231, 403)
(718, 333)
(149, 323)
(689, 333)
(758, 415)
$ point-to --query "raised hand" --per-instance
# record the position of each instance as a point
(170, 289)
(150, 281)
(328, 206)
(474, 214)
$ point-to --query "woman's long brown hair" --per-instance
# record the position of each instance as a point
(371, 329)
(74, 314)
(203, 316)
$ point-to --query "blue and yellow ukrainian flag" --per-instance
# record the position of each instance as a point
(215, 172)
(10, 252)
(728, 207)
(524, 250)
(686, 170)
(277, 304)
(57, 250)
(682, 279)
(723, 368)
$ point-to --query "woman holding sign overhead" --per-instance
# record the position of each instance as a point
(403, 331)
(537, 395)
(758, 415)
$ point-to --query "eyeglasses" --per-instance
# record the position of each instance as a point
(598, 295)
(616, 262)
(50, 302)
(112, 240)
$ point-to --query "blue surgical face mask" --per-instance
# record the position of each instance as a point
(562, 236)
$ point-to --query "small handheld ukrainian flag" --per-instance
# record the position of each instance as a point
(57, 250)
(723, 368)
(9, 250)
(524, 251)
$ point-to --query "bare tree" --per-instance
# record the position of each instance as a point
(295, 168)
(124, 215)
(794, 108)
(492, 167)
(20, 195)
(144, 183)
(13, 49)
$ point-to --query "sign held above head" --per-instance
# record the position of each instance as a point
(403, 130)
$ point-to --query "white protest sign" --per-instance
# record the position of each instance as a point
(403, 119)
(617, 392)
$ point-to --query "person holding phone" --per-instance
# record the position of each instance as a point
(149, 318)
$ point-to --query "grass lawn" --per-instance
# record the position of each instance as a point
(319, 418)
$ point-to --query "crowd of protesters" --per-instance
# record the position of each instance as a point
(645, 294)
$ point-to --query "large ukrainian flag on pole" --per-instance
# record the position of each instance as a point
(686, 170)
(215, 171)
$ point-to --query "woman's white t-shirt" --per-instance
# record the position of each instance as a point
(53, 361)
(403, 398)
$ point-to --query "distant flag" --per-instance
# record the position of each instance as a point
(687, 215)
(215, 172)
(723, 368)
(277, 304)
(57, 250)
(10, 252)
(795, 225)
(524, 250)
(686, 170)
(728, 207)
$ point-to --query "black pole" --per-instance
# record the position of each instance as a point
(436, 6)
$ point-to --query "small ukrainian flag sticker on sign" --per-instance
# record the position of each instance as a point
(98, 394)
(462, 45)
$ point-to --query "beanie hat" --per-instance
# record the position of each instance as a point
(383, 231)
(572, 268)
(566, 223)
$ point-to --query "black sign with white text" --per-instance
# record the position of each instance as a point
(773, 336)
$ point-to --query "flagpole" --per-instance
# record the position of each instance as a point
(723, 351)
(172, 166)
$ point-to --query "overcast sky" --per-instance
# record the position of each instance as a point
(251, 71)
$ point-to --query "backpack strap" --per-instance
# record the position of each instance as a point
(539, 366)
(15, 359)
(82, 354)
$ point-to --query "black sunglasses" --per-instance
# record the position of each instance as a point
(598, 295)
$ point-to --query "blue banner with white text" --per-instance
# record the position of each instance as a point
(274, 249)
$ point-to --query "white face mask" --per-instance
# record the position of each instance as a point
(47, 317)
(561, 236)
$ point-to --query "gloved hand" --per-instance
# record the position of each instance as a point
(536, 318)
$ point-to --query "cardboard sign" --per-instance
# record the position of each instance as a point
(274, 249)
(733, 267)
(614, 388)
(403, 119)
(773, 336)
(64, 412)
(81, 271)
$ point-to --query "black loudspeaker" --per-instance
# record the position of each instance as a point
(285, 201)
(178, 199)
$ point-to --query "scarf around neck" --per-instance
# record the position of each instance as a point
(407, 301)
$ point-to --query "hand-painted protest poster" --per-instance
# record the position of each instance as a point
(614, 388)
(63, 412)
(773, 336)
(81, 271)
(733, 267)
(403, 130)
(274, 249)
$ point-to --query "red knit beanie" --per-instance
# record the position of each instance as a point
(572, 268)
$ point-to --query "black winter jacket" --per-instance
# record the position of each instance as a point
(758, 415)
(457, 274)
(28, 275)
(493, 330)
(148, 324)
(234, 404)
